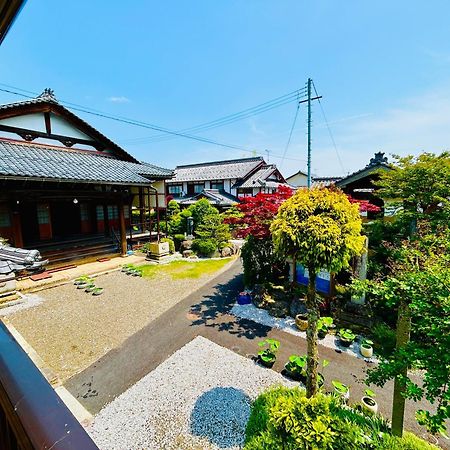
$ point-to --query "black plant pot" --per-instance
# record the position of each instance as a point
(294, 376)
(321, 334)
(268, 364)
(345, 342)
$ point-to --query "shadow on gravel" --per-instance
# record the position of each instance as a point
(213, 311)
(220, 415)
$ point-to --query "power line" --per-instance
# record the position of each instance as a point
(329, 132)
(146, 125)
(226, 120)
(290, 134)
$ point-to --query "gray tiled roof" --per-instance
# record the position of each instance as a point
(215, 197)
(258, 178)
(218, 170)
(23, 159)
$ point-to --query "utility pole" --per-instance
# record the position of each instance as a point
(309, 133)
(309, 100)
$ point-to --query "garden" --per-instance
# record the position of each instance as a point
(199, 231)
(397, 316)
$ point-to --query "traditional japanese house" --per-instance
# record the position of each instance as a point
(68, 190)
(223, 182)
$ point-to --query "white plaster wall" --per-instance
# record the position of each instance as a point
(227, 186)
(62, 127)
(30, 121)
(207, 185)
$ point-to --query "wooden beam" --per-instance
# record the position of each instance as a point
(48, 124)
(68, 141)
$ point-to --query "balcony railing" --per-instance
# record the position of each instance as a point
(32, 416)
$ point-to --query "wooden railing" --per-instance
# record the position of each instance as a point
(32, 416)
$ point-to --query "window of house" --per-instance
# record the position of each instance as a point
(99, 212)
(113, 212)
(43, 214)
(5, 219)
(198, 187)
(175, 190)
(217, 185)
(245, 192)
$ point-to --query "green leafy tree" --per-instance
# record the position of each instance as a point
(213, 228)
(419, 287)
(321, 229)
(422, 185)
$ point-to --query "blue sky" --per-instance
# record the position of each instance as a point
(383, 69)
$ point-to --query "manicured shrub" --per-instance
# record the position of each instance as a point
(409, 441)
(204, 247)
(171, 244)
(283, 418)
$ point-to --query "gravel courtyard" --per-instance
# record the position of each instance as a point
(199, 398)
(71, 329)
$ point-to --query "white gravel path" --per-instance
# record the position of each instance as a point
(259, 315)
(199, 398)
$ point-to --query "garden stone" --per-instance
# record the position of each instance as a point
(186, 245)
(188, 253)
(298, 306)
(226, 251)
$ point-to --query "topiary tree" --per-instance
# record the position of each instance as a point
(321, 229)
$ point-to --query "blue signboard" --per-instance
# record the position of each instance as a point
(323, 283)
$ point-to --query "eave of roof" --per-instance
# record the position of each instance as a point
(355, 176)
(21, 160)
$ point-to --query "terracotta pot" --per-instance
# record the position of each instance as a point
(301, 320)
(369, 404)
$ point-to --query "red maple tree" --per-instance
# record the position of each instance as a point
(258, 213)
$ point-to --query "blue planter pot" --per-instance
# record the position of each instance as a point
(244, 299)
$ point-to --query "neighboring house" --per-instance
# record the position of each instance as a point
(360, 184)
(298, 179)
(222, 182)
(67, 189)
(324, 181)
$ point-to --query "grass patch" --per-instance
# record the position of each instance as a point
(179, 270)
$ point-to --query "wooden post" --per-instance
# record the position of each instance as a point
(17, 229)
(141, 209)
(123, 230)
(157, 213)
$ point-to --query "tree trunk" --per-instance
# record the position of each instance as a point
(398, 400)
(311, 336)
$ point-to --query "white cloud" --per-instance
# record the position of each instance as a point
(118, 99)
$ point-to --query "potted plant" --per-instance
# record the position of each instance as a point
(301, 320)
(244, 298)
(295, 368)
(341, 389)
(366, 348)
(268, 355)
(125, 267)
(346, 337)
(368, 402)
(90, 287)
(324, 324)
(84, 283)
(81, 280)
(97, 291)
